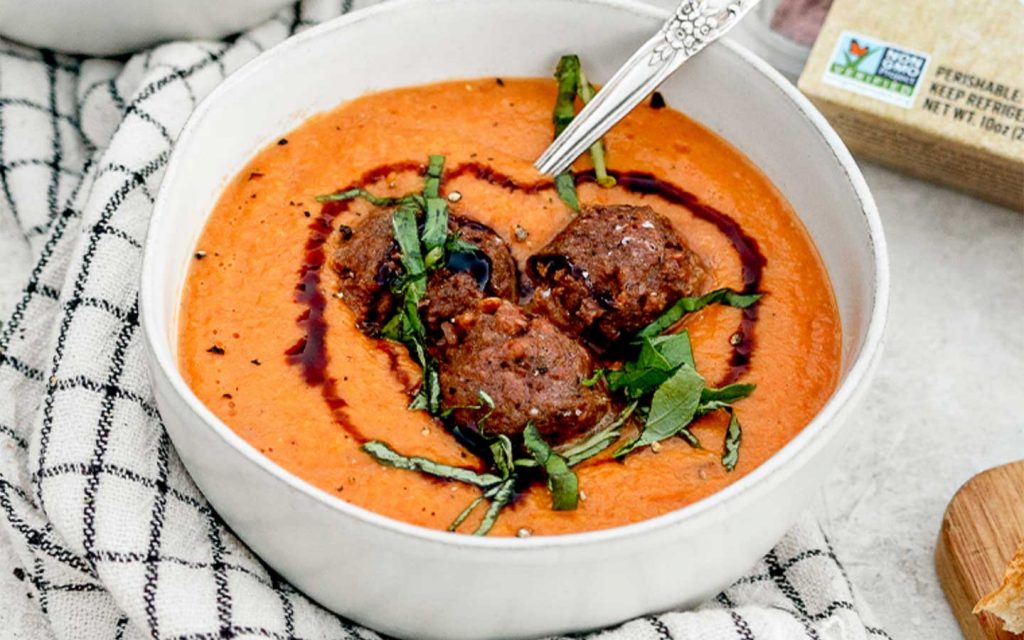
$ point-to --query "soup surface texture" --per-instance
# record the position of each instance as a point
(248, 296)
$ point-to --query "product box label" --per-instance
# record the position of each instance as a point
(877, 69)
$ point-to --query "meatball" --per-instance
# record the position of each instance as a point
(611, 272)
(469, 277)
(449, 293)
(501, 276)
(530, 369)
(368, 261)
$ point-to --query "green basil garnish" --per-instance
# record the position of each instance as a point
(673, 407)
(568, 75)
(384, 454)
(407, 235)
(684, 306)
(465, 512)
(658, 359)
(600, 440)
(586, 92)
(565, 186)
(435, 226)
(501, 453)
(663, 382)
(499, 500)
(733, 436)
(572, 83)
(712, 399)
(562, 481)
(363, 194)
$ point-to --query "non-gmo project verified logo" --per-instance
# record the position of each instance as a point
(877, 69)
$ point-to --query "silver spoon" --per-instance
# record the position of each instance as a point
(694, 25)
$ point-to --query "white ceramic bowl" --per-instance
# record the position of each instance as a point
(109, 27)
(413, 582)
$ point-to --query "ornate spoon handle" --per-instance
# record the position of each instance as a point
(694, 25)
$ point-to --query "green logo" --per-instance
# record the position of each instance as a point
(876, 69)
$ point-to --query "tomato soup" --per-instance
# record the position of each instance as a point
(246, 309)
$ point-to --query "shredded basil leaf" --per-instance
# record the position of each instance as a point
(499, 495)
(687, 305)
(384, 454)
(562, 481)
(420, 253)
(435, 226)
(497, 489)
(715, 399)
(393, 329)
(586, 92)
(465, 513)
(658, 359)
(363, 194)
(673, 406)
(432, 178)
(501, 453)
(641, 376)
(691, 439)
(565, 186)
(489, 403)
(727, 394)
(568, 75)
(675, 348)
(407, 235)
(484, 399)
(599, 440)
(499, 501)
(455, 244)
(572, 83)
(733, 437)
(594, 378)
(428, 396)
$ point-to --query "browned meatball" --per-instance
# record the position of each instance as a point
(449, 293)
(612, 271)
(470, 277)
(502, 274)
(530, 369)
(368, 260)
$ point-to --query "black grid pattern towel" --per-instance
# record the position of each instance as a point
(110, 537)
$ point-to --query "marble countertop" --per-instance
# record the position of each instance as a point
(947, 401)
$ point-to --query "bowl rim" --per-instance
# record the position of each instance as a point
(160, 355)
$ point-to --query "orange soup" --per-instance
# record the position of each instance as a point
(251, 299)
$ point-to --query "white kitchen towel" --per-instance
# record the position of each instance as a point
(108, 534)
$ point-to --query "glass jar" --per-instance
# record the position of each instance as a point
(782, 32)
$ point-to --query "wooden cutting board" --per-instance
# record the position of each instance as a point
(983, 525)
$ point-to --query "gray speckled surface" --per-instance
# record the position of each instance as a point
(946, 402)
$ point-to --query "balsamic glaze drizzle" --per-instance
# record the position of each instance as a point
(310, 352)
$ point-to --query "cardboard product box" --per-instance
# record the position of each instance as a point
(934, 88)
